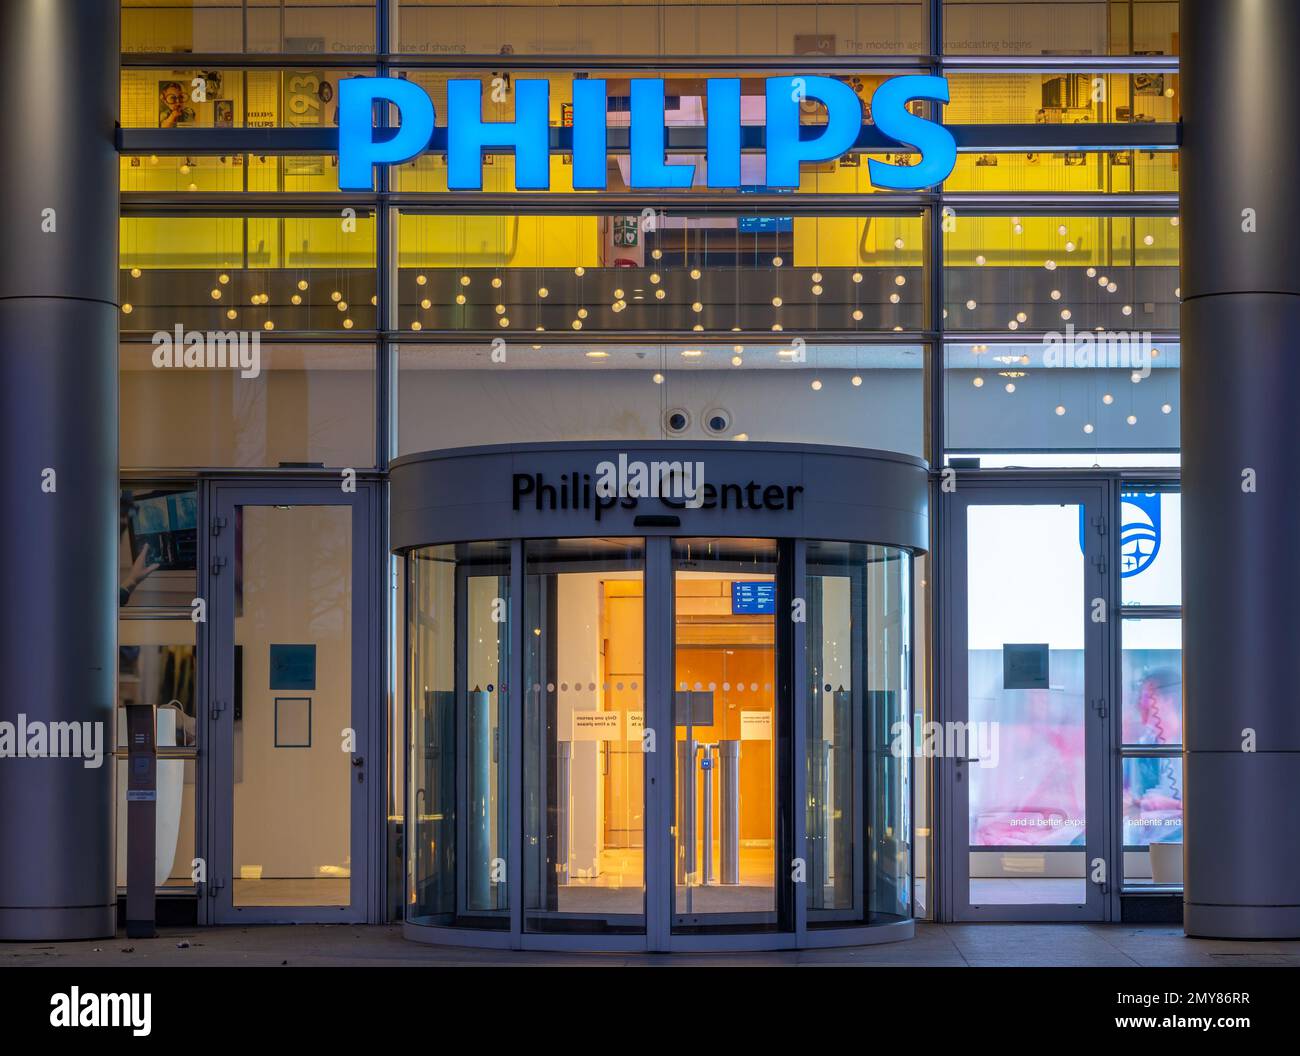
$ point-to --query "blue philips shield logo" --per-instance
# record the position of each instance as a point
(1139, 531)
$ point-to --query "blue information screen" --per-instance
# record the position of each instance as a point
(753, 598)
(765, 224)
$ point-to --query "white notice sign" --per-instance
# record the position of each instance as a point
(596, 725)
(755, 725)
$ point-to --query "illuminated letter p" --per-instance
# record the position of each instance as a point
(785, 148)
(359, 152)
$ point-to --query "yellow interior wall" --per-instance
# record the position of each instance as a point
(180, 242)
(158, 28)
(743, 649)
(715, 647)
(498, 241)
(848, 241)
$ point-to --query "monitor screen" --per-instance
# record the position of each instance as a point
(753, 598)
(166, 523)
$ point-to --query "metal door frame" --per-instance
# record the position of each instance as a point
(1095, 495)
(367, 835)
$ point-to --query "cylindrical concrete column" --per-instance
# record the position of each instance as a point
(58, 467)
(1241, 438)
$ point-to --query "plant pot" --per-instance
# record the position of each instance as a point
(1166, 863)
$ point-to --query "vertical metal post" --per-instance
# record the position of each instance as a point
(937, 866)
(686, 751)
(481, 794)
(658, 741)
(730, 759)
(792, 705)
(706, 768)
(141, 819)
(563, 795)
(517, 888)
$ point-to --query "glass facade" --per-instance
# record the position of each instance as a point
(1022, 315)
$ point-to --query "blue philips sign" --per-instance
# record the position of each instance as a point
(1139, 531)
(788, 144)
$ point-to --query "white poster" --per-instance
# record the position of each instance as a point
(755, 725)
(596, 725)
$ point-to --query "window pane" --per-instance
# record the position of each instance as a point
(728, 724)
(1024, 398)
(1113, 172)
(674, 272)
(1151, 540)
(234, 274)
(1153, 821)
(1153, 682)
(286, 174)
(174, 819)
(1062, 274)
(1078, 96)
(189, 97)
(1027, 805)
(1153, 800)
(662, 27)
(155, 665)
(1063, 27)
(584, 713)
(859, 623)
(844, 395)
(157, 546)
(460, 660)
(307, 404)
(217, 26)
(293, 582)
(922, 768)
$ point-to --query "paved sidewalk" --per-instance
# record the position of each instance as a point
(956, 945)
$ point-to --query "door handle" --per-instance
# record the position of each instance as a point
(358, 761)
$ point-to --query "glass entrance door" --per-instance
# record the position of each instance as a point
(290, 773)
(584, 761)
(1024, 736)
(725, 717)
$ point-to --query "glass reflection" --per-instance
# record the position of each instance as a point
(458, 817)
(859, 625)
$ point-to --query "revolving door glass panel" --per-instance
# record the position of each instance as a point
(857, 721)
(584, 713)
(725, 817)
(459, 612)
(784, 668)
